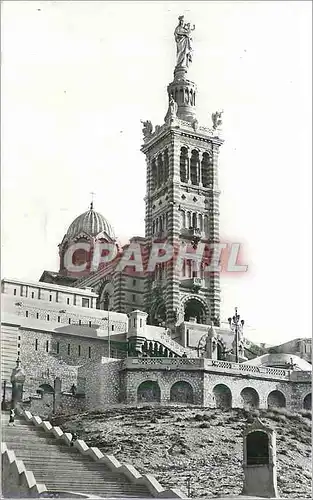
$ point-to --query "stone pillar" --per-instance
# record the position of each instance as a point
(57, 394)
(259, 461)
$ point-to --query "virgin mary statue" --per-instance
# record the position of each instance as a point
(184, 43)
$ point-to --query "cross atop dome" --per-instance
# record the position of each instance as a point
(92, 196)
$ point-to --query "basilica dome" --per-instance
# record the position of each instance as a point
(91, 223)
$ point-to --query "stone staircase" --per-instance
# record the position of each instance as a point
(63, 468)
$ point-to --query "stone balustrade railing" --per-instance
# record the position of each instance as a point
(163, 363)
(171, 344)
(178, 123)
(208, 365)
(17, 481)
(260, 371)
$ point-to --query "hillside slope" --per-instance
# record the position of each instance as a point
(205, 445)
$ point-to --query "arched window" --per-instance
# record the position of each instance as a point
(160, 170)
(194, 221)
(154, 175)
(205, 169)
(194, 167)
(166, 165)
(183, 164)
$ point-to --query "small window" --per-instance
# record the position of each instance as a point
(18, 346)
(112, 328)
(19, 337)
(68, 349)
(69, 321)
(140, 322)
(33, 295)
(134, 298)
(39, 293)
(67, 301)
(79, 321)
(47, 346)
(37, 315)
(79, 350)
(50, 298)
(48, 317)
(59, 319)
(26, 314)
(74, 300)
(18, 353)
(89, 324)
(36, 345)
(58, 347)
(57, 296)
(134, 321)
(85, 302)
(89, 352)
(134, 282)
(14, 291)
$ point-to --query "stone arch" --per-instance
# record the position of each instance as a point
(105, 297)
(223, 397)
(184, 160)
(149, 392)
(221, 349)
(182, 392)
(250, 398)
(46, 388)
(276, 399)
(307, 401)
(194, 309)
(199, 299)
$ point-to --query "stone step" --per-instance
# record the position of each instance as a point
(61, 467)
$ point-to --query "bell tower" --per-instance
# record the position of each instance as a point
(182, 202)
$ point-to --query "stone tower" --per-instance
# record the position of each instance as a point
(182, 201)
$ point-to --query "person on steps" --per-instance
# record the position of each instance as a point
(12, 418)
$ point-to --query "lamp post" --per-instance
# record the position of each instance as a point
(108, 320)
(236, 325)
(109, 338)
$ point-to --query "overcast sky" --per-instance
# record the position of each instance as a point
(78, 76)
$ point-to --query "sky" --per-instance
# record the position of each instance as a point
(77, 78)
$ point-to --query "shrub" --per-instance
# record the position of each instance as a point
(306, 413)
(204, 425)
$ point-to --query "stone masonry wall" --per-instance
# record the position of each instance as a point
(165, 380)
(203, 384)
(43, 406)
(102, 383)
(44, 364)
